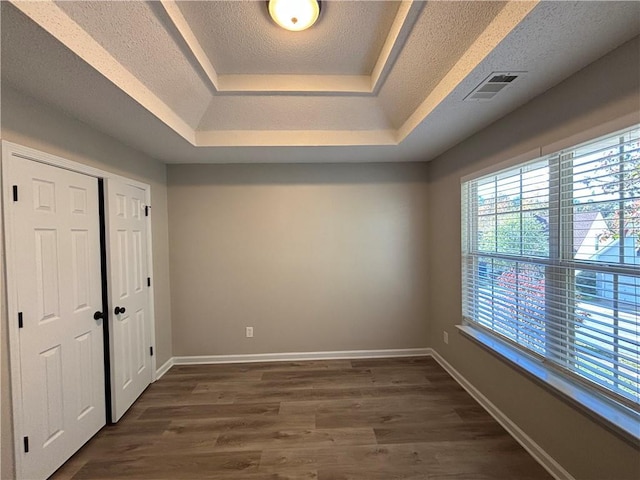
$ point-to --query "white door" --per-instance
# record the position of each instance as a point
(55, 251)
(129, 325)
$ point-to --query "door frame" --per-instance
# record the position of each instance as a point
(10, 149)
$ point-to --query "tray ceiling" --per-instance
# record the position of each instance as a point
(370, 75)
(241, 38)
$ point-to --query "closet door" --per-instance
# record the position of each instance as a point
(129, 327)
(54, 248)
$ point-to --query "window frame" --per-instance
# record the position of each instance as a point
(588, 396)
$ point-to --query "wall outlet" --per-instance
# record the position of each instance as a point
(249, 332)
(445, 337)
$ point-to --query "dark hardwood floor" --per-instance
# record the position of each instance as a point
(382, 419)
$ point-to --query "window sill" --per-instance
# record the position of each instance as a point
(617, 418)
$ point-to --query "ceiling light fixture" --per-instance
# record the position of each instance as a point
(294, 15)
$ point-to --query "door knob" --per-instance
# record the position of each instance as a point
(98, 315)
(120, 310)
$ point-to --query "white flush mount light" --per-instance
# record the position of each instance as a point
(294, 15)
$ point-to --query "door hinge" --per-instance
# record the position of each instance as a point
(20, 324)
(151, 351)
(146, 210)
(148, 281)
(26, 444)
(15, 193)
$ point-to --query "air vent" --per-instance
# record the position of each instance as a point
(492, 85)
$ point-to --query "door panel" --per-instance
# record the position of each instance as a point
(55, 251)
(80, 266)
(129, 331)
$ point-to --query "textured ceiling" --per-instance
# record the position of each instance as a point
(308, 112)
(127, 30)
(442, 34)
(241, 38)
(151, 74)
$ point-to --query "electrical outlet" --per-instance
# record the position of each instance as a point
(445, 337)
(249, 332)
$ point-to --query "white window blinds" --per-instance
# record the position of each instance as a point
(551, 260)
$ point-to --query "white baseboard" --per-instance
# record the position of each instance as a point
(300, 356)
(164, 368)
(535, 450)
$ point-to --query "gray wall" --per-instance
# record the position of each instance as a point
(314, 257)
(30, 123)
(602, 92)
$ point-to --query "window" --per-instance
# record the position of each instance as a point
(551, 261)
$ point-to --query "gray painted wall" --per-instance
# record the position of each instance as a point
(314, 257)
(602, 92)
(30, 123)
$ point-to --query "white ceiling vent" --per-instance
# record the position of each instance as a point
(494, 84)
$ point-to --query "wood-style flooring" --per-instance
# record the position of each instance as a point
(383, 419)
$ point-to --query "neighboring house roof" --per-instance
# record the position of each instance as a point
(582, 223)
